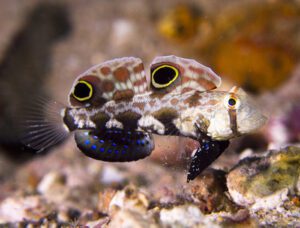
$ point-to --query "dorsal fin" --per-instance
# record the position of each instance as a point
(172, 73)
(117, 79)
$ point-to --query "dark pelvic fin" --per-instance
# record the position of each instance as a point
(115, 145)
(206, 154)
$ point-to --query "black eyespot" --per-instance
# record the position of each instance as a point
(231, 102)
(83, 91)
(163, 76)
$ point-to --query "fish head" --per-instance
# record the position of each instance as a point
(236, 114)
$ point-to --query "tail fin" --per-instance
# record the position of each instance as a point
(42, 125)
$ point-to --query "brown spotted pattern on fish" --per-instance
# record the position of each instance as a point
(193, 76)
(114, 110)
(115, 79)
(107, 86)
(100, 119)
(190, 94)
(121, 74)
(105, 71)
(193, 100)
(128, 119)
(121, 95)
(174, 101)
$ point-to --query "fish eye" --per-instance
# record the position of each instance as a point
(232, 102)
(163, 76)
(82, 91)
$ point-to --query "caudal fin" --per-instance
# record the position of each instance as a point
(42, 125)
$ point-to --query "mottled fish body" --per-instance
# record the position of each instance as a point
(114, 110)
(171, 114)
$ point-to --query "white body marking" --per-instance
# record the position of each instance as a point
(82, 117)
(152, 123)
(186, 121)
(219, 130)
(113, 123)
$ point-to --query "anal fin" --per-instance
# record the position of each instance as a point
(115, 145)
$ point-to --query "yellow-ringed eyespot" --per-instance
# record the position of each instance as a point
(231, 101)
(163, 76)
(83, 91)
